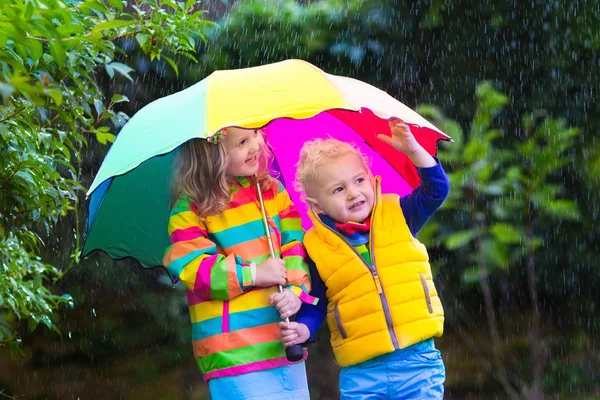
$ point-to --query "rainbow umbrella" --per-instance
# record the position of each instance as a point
(293, 100)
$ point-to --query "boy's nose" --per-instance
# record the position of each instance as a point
(352, 194)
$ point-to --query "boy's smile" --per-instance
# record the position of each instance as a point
(343, 189)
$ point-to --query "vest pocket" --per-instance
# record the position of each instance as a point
(426, 290)
(338, 321)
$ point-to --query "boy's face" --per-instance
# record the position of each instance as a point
(343, 189)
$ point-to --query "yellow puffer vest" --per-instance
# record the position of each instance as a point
(376, 310)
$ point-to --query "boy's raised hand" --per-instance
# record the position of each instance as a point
(293, 333)
(271, 272)
(286, 302)
(402, 138)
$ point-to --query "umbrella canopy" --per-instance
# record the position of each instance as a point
(294, 100)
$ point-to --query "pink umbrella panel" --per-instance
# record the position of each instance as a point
(399, 175)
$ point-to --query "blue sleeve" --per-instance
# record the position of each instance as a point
(309, 315)
(425, 199)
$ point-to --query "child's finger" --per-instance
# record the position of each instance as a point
(289, 338)
(283, 326)
(284, 308)
(385, 139)
(404, 127)
(275, 298)
(394, 121)
(287, 332)
(283, 305)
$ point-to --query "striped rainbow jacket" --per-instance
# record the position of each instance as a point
(234, 328)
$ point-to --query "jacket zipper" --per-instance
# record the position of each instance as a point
(373, 270)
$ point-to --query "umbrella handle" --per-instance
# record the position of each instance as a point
(295, 352)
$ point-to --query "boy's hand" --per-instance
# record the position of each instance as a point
(270, 272)
(293, 333)
(286, 302)
(402, 138)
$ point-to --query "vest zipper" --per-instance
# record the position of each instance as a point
(373, 270)
(384, 302)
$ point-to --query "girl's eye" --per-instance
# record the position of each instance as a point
(360, 180)
(243, 142)
(256, 131)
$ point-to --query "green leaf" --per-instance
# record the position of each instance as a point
(490, 97)
(109, 70)
(496, 253)
(121, 69)
(26, 176)
(115, 23)
(36, 50)
(170, 4)
(28, 11)
(104, 136)
(57, 52)
(173, 65)
(561, 209)
(475, 150)
(470, 275)
(56, 96)
(119, 98)
(142, 39)
(118, 4)
(99, 106)
(459, 239)
(506, 233)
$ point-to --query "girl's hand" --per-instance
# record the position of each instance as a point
(286, 302)
(293, 333)
(270, 272)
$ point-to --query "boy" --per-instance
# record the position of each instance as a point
(382, 307)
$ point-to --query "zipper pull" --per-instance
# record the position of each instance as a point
(378, 284)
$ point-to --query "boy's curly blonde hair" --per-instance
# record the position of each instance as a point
(315, 154)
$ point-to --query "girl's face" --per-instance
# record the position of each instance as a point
(244, 148)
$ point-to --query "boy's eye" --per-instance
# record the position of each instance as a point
(243, 142)
(256, 131)
(338, 189)
(360, 180)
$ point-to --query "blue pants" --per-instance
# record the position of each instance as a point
(272, 384)
(414, 373)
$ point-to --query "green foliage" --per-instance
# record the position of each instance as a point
(507, 201)
(503, 183)
(22, 290)
(52, 54)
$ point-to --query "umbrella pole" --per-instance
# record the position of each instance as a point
(292, 353)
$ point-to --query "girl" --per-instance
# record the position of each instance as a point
(220, 252)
